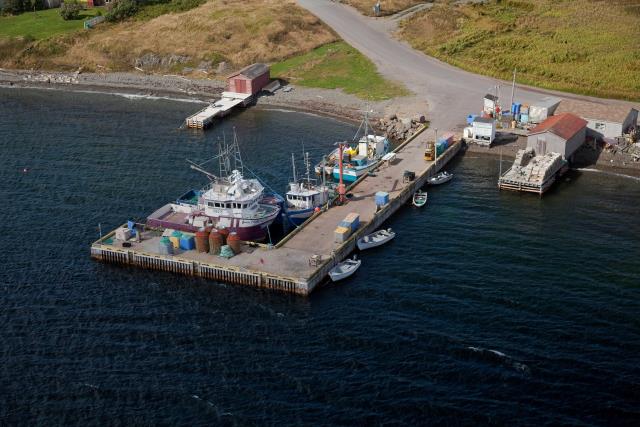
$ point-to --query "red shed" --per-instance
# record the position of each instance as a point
(249, 80)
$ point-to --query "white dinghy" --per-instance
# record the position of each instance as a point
(420, 199)
(378, 238)
(441, 178)
(345, 269)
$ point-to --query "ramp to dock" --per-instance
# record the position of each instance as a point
(222, 107)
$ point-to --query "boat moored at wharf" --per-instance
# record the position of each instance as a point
(230, 201)
(302, 260)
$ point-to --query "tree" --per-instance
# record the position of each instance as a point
(121, 9)
(70, 9)
(13, 7)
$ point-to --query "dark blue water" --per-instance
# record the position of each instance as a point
(489, 308)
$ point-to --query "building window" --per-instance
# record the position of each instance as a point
(601, 126)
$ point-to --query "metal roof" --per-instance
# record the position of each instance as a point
(483, 120)
(252, 71)
(608, 112)
(564, 125)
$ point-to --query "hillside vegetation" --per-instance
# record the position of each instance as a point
(583, 46)
(338, 65)
(387, 7)
(229, 31)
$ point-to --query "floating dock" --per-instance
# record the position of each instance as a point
(204, 118)
(294, 265)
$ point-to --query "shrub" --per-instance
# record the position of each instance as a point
(121, 9)
(70, 9)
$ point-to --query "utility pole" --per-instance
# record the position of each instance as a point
(513, 87)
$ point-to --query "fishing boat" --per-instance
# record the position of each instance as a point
(420, 198)
(359, 156)
(229, 201)
(370, 149)
(344, 269)
(375, 239)
(304, 196)
(441, 178)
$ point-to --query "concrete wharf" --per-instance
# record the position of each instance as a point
(222, 107)
(302, 260)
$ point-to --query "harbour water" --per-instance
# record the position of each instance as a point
(489, 307)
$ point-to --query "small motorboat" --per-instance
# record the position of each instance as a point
(345, 269)
(420, 199)
(378, 238)
(441, 178)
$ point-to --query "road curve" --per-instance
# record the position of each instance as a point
(450, 92)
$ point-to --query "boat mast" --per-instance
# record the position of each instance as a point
(308, 165)
(237, 157)
(293, 165)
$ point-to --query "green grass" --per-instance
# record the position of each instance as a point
(581, 46)
(42, 24)
(338, 66)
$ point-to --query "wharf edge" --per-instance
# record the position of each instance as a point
(290, 281)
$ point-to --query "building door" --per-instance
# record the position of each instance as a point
(241, 86)
(541, 150)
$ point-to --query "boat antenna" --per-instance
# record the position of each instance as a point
(223, 156)
(293, 165)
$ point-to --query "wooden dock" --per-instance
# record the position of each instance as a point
(294, 265)
(204, 118)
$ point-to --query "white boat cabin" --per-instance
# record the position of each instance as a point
(301, 197)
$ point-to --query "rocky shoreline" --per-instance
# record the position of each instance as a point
(398, 118)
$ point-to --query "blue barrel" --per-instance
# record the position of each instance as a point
(187, 242)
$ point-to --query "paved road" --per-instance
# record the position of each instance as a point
(451, 93)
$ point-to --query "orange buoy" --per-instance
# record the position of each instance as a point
(202, 240)
(234, 242)
(215, 242)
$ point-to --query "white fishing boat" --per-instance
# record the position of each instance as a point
(441, 178)
(420, 198)
(305, 196)
(344, 269)
(230, 201)
(378, 238)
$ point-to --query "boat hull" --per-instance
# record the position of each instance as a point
(247, 229)
(297, 217)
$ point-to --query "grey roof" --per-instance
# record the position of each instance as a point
(252, 71)
(483, 120)
(491, 97)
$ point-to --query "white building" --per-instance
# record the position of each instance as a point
(563, 134)
(490, 103)
(483, 130)
(603, 120)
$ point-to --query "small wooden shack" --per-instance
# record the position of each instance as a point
(250, 80)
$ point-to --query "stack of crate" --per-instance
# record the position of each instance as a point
(346, 227)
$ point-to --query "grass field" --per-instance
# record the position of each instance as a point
(388, 7)
(582, 46)
(42, 24)
(338, 66)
